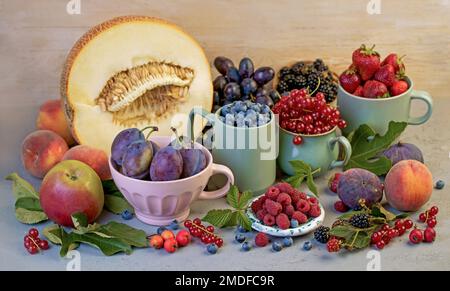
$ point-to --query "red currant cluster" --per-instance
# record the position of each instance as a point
(383, 236)
(303, 114)
(33, 243)
(429, 234)
(206, 234)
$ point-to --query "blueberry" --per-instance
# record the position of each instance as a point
(174, 225)
(160, 229)
(239, 238)
(222, 119)
(255, 108)
(225, 110)
(265, 109)
(240, 228)
(212, 249)
(229, 119)
(276, 246)
(439, 185)
(307, 246)
(250, 112)
(246, 246)
(294, 223)
(288, 241)
(127, 215)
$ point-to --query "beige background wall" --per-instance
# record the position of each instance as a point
(36, 35)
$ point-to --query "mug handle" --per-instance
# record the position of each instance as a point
(203, 113)
(425, 97)
(347, 151)
(219, 169)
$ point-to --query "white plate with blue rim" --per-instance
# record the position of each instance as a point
(305, 228)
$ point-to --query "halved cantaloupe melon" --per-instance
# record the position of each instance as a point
(133, 71)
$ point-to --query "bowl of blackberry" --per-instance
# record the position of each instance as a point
(314, 75)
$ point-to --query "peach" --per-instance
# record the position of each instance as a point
(41, 150)
(51, 117)
(71, 187)
(95, 158)
(408, 185)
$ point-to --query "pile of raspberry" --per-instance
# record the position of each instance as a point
(282, 203)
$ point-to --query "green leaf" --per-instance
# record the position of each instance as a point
(132, 236)
(244, 199)
(117, 205)
(300, 166)
(233, 196)
(218, 217)
(302, 171)
(21, 188)
(233, 221)
(53, 234)
(365, 151)
(110, 188)
(296, 180)
(379, 211)
(361, 241)
(402, 216)
(243, 220)
(311, 185)
(29, 216)
(79, 220)
(108, 246)
(343, 231)
(28, 203)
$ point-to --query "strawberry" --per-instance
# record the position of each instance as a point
(366, 61)
(399, 87)
(359, 91)
(350, 80)
(396, 62)
(386, 75)
(375, 89)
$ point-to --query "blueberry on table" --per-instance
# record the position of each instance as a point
(246, 246)
(127, 215)
(440, 185)
(307, 246)
(239, 238)
(288, 241)
(276, 246)
(212, 249)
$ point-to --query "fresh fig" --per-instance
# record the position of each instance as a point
(403, 151)
(356, 184)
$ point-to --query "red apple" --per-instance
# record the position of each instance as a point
(71, 187)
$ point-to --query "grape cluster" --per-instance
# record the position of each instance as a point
(243, 83)
(303, 114)
(310, 75)
(204, 233)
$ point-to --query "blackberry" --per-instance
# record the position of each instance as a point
(283, 87)
(360, 220)
(320, 66)
(312, 81)
(329, 89)
(322, 234)
(297, 68)
(301, 81)
(284, 71)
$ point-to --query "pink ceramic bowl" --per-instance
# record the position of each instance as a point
(159, 203)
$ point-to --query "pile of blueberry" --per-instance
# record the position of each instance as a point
(245, 114)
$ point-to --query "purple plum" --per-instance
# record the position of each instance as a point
(122, 141)
(137, 159)
(167, 165)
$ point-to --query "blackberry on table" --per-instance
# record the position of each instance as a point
(360, 221)
(322, 234)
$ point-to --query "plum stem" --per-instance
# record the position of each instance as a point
(153, 129)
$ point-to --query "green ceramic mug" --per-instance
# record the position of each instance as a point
(250, 153)
(377, 113)
(320, 151)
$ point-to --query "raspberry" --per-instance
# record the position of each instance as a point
(322, 234)
(269, 220)
(339, 206)
(284, 199)
(283, 221)
(295, 197)
(360, 220)
(285, 187)
(260, 214)
(303, 196)
(313, 200)
(289, 210)
(261, 240)
(303, 206)
(333, 182)
(256, 205)
(272, 193)
(300, 217)
(334, 245)
(314, 211)
(272, 207)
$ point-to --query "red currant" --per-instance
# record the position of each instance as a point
(415, 236)
(401, 231)
(219, 242)
(342, 124)
(432, 222)
(43, 245)
(422, 217)
(380, 245)
(28, 244)
(34, 233)
(376, 237)
(210, 228)
(385, 227)
(187, 223)
(408, 224)
(398, 223)
(27, 238)
(33, 249)
(297, 140)
(392, 233)
(320, 96)
(303, 92)
(300, 127)
(429, 235)
(434, 211)
(197, 221)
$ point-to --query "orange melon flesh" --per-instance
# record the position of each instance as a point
(119, 45)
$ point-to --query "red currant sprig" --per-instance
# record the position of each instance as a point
(33, 243)
(206, 234)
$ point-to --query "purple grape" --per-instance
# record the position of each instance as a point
(233, 75)
(219, 83)
(265, 100)
(137, 158)
(167, 165)
(248, 86)
(232, 91)
(261, 92)
(246, 68)
(222, 64)
(122, 141)
(263, 75)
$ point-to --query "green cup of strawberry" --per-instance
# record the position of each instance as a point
(375, 92)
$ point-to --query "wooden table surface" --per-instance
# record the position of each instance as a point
(35, 37)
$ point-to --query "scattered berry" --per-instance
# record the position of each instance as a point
(297, 140)
(439, 185)
(415, 236)
(276, 246)
(261, 240)
(339, 206)
(240, 238)
(288, 241)
(322, 234)
(187, 223)
(380, 245)
(307, 246)
(127, 215)
(408, 224)
(422, 217)
(282, 221)
(170, 245)
(156, 241)
(333, 182)
(246, 246)
(294, 223)
(183, 238)
(360, 220)
(212, 249)
(429, 235)
(334, 245)
(432, 222)
(219, 242)
(434, 211)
